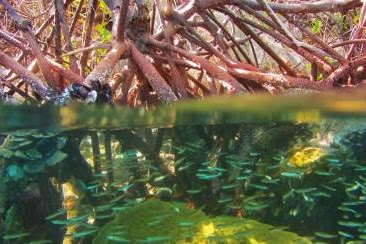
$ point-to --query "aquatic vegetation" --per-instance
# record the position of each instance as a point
(278, 177)
(187, 226)
(306, 156)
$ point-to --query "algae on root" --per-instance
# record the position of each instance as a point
(162, 222)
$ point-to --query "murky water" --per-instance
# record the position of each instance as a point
(297, 164)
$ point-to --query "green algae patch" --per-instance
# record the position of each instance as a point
(155, 221)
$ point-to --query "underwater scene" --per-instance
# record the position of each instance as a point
(240, 170)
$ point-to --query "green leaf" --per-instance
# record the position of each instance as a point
(56, 158)
(105, 34)
(103, 6)
(20, 154)
(15, 172)
(33, 153)
(319, 77)
(316, 25)
(33, 167)
(5, 153)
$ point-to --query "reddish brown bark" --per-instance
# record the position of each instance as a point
(157, 82)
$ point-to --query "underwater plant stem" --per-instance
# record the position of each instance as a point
(96, 151)
(108, 152)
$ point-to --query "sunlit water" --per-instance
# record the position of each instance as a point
(296, 163)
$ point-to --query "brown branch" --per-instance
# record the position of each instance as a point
(213, 29)
(57, 36)
(36, 84)
(189, 9)
(24, 25)
(15, 89)
(177, 61)
(303, 6)
(76, 16)
(88, 27)
(14, 42)
(95, 45)
(214, 70)
(43, 27)
(66, 74)
(176, 77)
(122, 21)
(275, 79)
(312, 58)
(102, 71)
(197, 82)
(326, 47)
(157, 82)
(357, 33)
(66, 34)
(344, 43)
(343, 71)
(265, 47)
(230, 37)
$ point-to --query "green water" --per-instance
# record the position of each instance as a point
(296, 163)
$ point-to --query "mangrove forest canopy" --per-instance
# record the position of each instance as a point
(146, 52)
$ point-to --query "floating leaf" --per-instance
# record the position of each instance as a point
(56, 158)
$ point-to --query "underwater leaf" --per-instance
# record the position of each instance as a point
(61, 142)
(56, 158)
(15, 236)
(44, 134)
(20, 154)
(15, 172)
(33, 167)
(19, 143)
(23, 133)
(5, 153)
(33, 153)
(160, 222)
